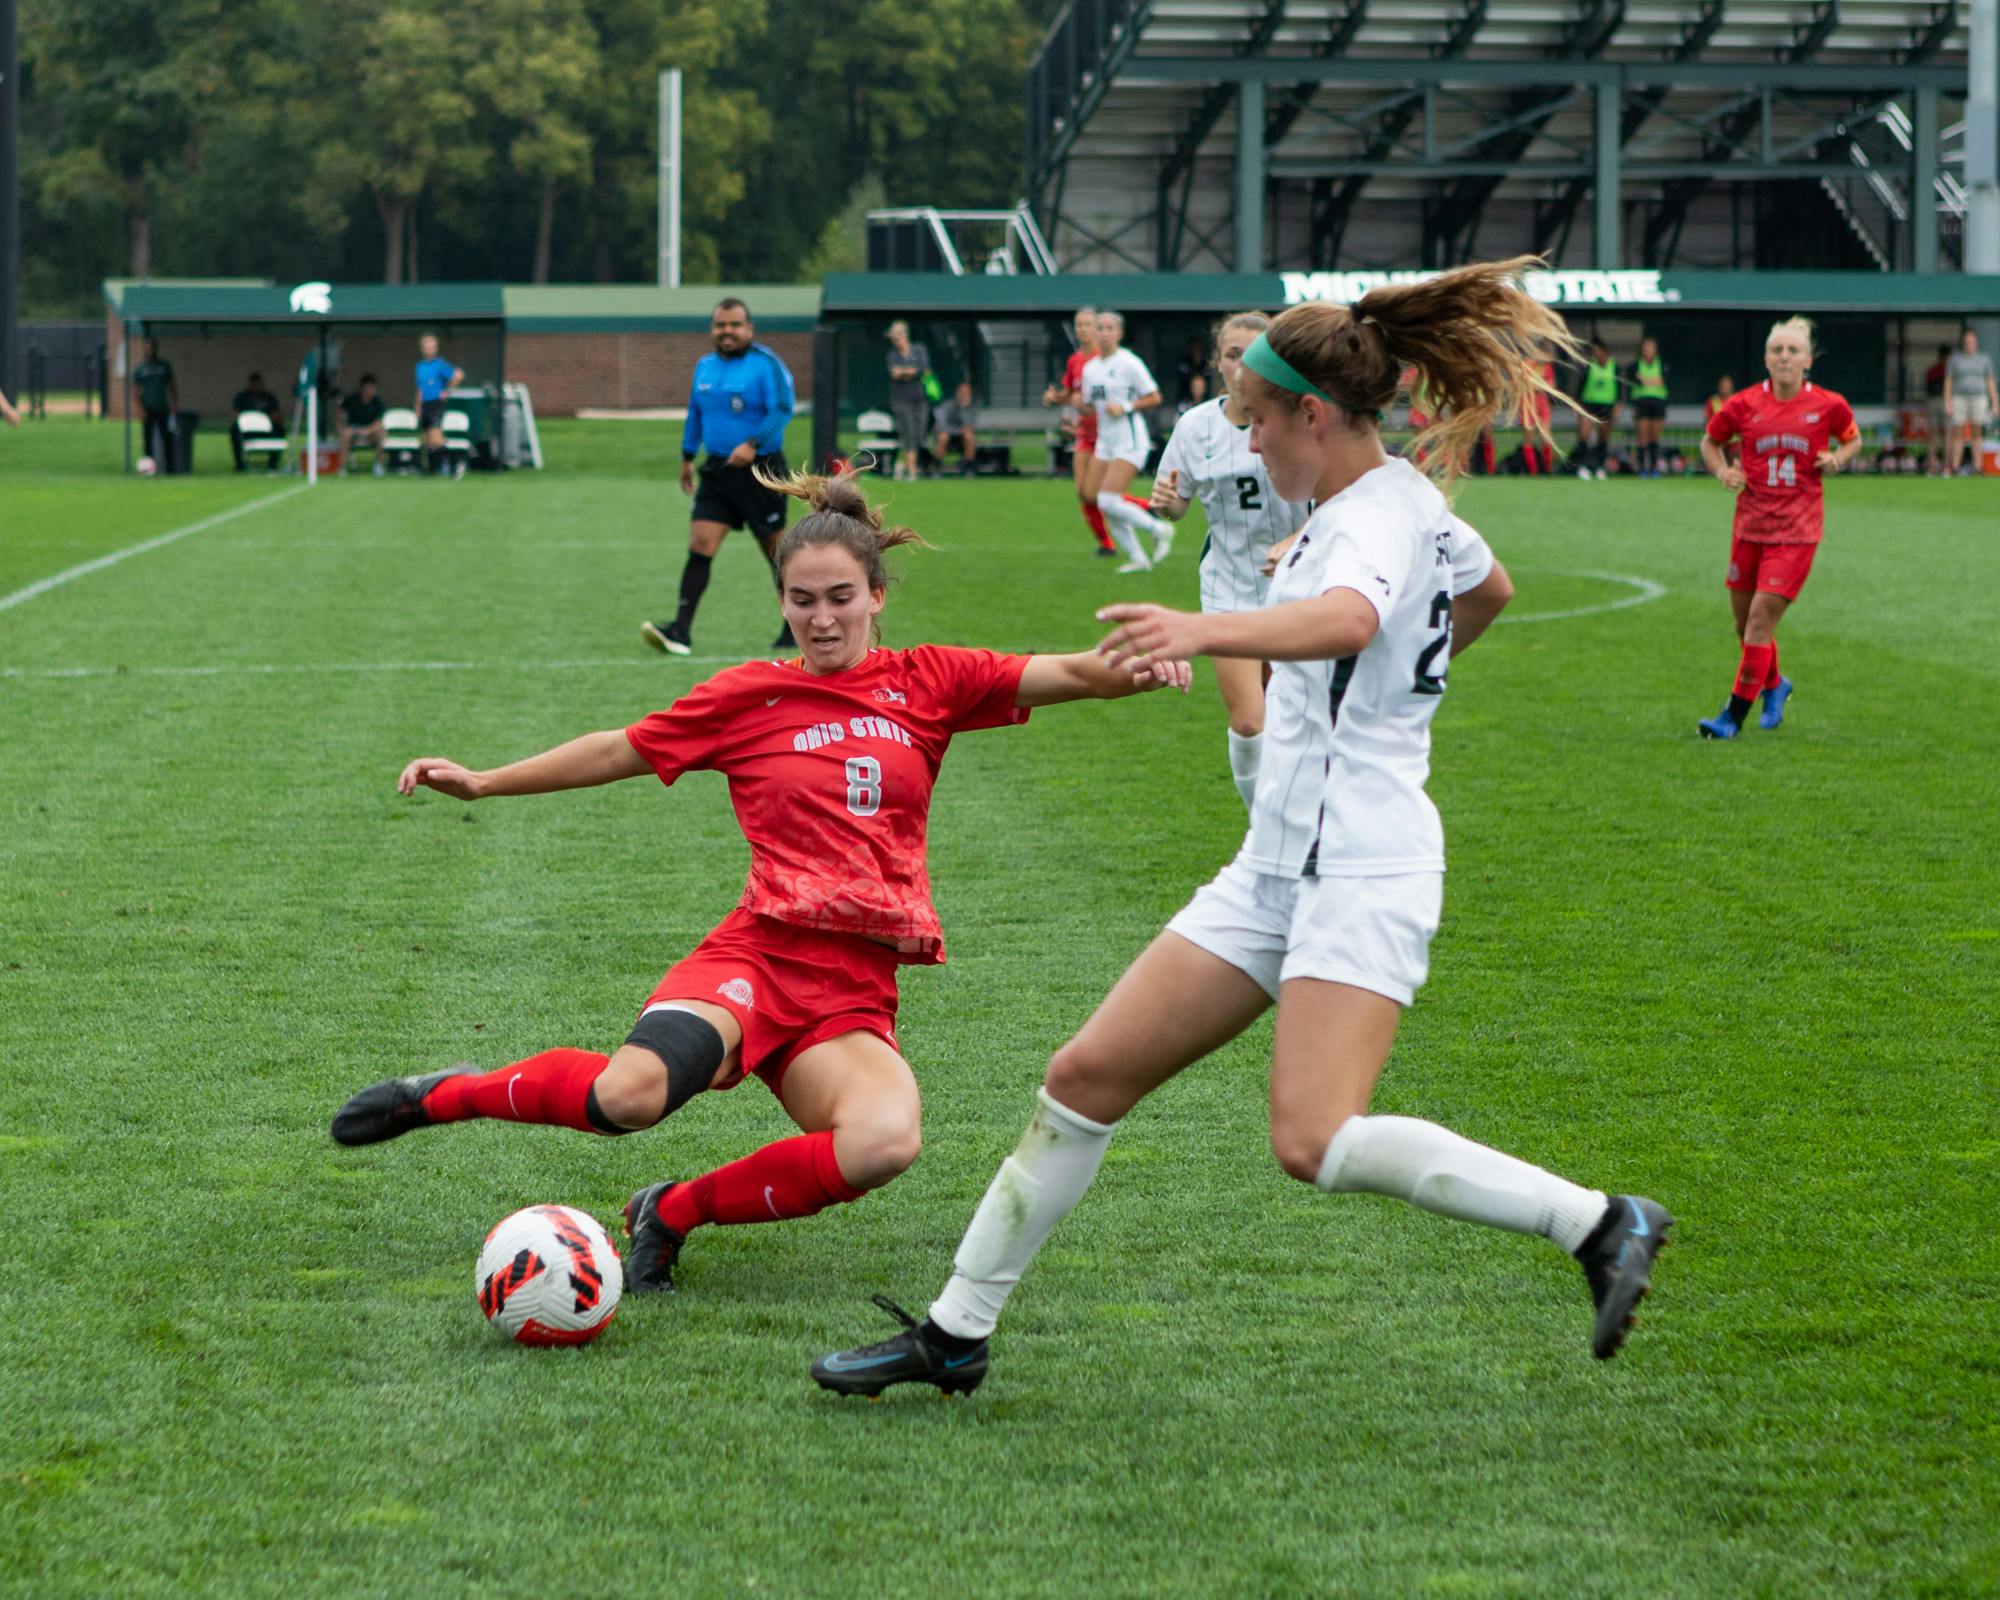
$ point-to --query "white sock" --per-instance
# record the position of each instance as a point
(1035, 1188)
(1126, 521)
(1244, 749)
(1434, 1168)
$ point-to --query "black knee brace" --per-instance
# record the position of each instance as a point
(689, 1045)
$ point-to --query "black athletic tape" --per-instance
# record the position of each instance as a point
(689, 1045)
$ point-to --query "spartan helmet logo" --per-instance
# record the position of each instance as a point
(315, 299)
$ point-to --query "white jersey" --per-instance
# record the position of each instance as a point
(1347, 744)
(1213, 463)
(1120, 377)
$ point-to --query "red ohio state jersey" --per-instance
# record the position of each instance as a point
(831, 777)
(1086, 416)
(1781, 502)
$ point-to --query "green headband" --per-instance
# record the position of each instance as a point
(1261, 359)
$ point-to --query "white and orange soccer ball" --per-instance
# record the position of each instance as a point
(549, 1275)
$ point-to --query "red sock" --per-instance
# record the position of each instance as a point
(792, 1178)
(1140, 501)
(1754, 669)
(1094, 515)
(1771, 680)
(551, 1088)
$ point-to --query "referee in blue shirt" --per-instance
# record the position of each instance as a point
(738, 410)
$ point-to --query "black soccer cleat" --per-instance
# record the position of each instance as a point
(654, 1247)
(1617, 1259)
(910, 1357)
(668, 637)
(389, 1109)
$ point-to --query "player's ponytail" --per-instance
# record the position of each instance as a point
(1473, 340)
(840, 515)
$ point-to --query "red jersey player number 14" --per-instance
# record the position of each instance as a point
(1781, 502)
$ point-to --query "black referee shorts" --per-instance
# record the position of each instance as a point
(731, 496)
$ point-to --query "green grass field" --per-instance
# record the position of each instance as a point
(1757, 981)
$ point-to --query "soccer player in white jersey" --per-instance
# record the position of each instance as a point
(1329, 909)
(1209, 459)
(1118, 387)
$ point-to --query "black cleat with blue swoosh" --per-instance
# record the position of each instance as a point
(910, 1357)
(1617, 1258)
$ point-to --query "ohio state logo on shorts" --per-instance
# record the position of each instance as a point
(737, 989)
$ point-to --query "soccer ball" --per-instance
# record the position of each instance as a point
(548, 1275)
(148, 466)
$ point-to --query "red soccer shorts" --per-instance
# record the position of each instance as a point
(1778, 569)
(788, 988)
(1086, 433)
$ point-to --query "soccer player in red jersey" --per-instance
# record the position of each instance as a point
(1792, 432)
(831, 758)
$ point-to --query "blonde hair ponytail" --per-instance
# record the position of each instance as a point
(841, 514)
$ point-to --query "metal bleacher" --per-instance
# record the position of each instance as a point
(1216, 135)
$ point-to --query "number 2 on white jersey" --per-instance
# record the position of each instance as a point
(864, 785)
(1782, 470)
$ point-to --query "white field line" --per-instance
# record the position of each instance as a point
(42, 586)
(259, 670)
(1647, 589)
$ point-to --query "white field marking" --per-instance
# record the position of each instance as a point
(1647, 589)
(262, 670)
(44, 585)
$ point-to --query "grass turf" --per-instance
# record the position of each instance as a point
(1754, 980)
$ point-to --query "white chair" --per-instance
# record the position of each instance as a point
(458, 439)
(259, 440)
(401, 442)
(878, 437)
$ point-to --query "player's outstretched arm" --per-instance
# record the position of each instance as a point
(1052, 680)
(583, 763)
(1324, 628)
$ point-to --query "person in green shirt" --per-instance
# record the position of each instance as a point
(1598, 397)
(159, 398)
(1649, 405)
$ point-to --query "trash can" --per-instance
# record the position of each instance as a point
(180, 444)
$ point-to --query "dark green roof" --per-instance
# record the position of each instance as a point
(158, 304)
(933, 294)
(647, 308)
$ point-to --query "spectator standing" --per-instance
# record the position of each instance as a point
(1598, 398)
(253, 396)
(908, 403)
(436, 378)
(1970, 398)
(361, 421)
(1196, 394)
(8, 414)
(738, 409)
(159, 398)
(958, 418)
(1192, 369)
(1649, 406)
(1934, 404)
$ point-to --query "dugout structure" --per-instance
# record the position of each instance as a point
(218, 333)
(1219, 135)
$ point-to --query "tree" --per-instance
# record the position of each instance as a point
(124, 86)
(406, 123)
(542, 82)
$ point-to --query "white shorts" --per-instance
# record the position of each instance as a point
(1373, 933)
(1124, 439)
(1232, 583)
(1970, 408)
